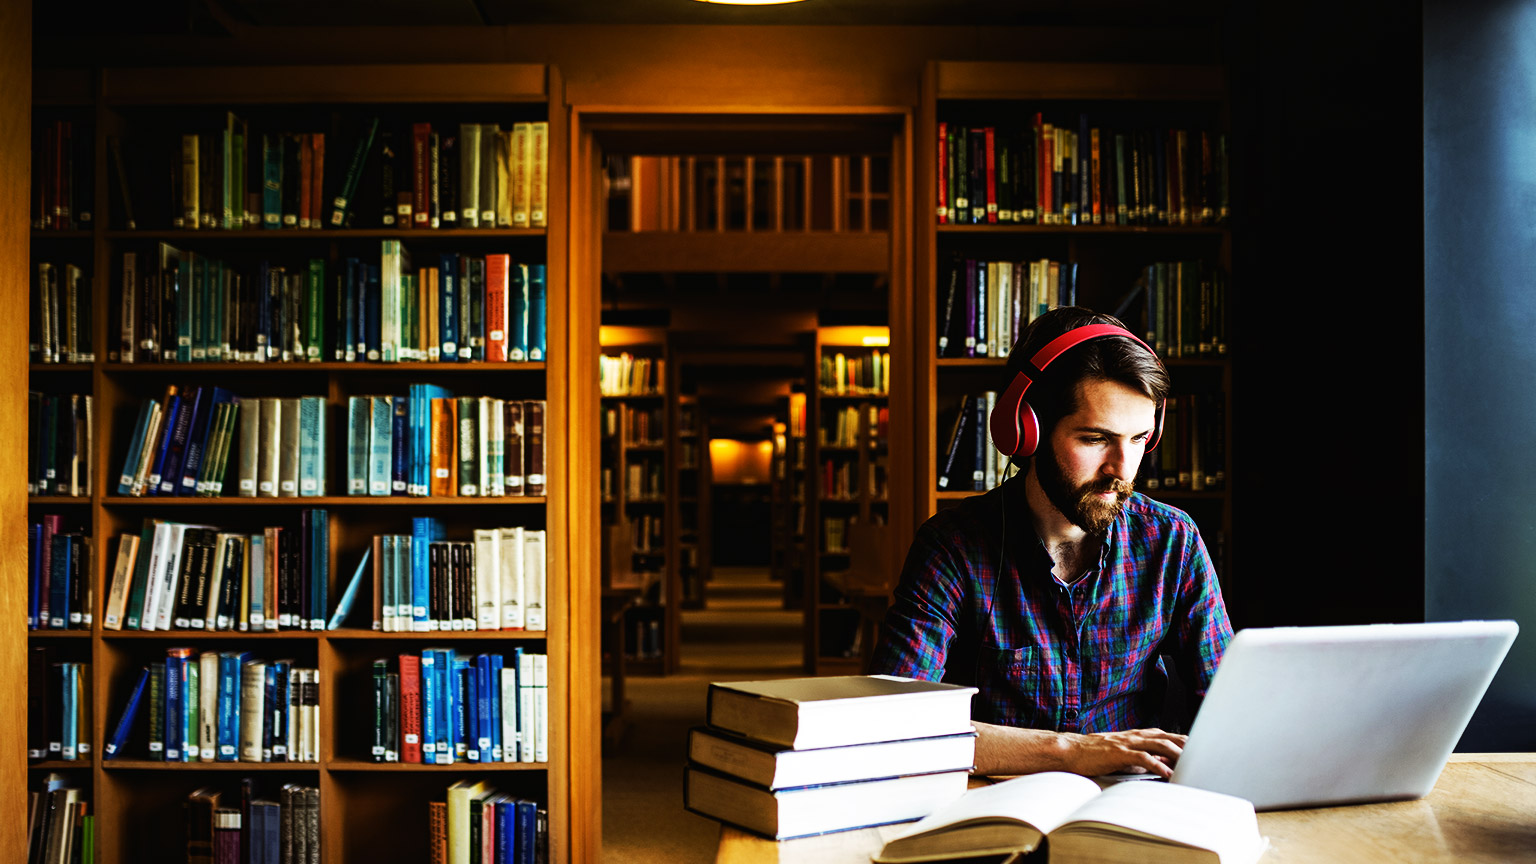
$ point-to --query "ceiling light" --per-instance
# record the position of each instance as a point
(750, 2)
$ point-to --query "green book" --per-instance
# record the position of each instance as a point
(314, 306)
(140, 575)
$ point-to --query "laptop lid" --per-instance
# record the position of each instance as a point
(1306, 716)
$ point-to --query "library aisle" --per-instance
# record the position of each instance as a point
(742, 633)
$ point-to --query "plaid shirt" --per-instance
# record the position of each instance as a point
(1085, 657)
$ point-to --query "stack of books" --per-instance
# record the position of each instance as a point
(804, 756)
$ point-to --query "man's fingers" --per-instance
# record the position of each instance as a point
(1154, 765)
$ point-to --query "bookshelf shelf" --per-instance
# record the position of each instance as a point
(1094, 230)
(137, 802)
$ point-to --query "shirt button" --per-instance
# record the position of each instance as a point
(1070, 714)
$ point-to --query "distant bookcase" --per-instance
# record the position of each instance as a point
(1164, 267)
(368, 811)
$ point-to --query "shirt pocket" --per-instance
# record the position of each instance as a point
(1009, 681)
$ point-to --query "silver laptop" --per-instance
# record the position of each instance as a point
(1308, 716)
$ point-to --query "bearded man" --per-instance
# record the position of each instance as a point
(1059, 593)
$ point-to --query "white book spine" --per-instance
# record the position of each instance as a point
(208, 706)
(525, 699)
(167, 603)
(512, 578)
(540, 708)
(533, 580)
(487, 579)
(509, 705)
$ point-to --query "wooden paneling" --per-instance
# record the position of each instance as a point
(15, 146)
(225, 85)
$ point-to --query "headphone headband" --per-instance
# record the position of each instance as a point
(1015, 428)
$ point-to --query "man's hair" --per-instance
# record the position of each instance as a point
(1115, 359)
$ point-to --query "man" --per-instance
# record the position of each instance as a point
(1055, 593)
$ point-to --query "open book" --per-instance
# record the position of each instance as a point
(1128, 822)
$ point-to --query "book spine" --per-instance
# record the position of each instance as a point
(341, 203)
(421, 187)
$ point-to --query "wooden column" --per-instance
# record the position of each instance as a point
(15, 138)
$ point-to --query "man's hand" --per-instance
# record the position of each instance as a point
(1134, 751)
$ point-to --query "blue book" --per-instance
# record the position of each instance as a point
(483, 717)
(119, 738)
(472, 696)
(346, 337)
(70, 708)
(175, 719)
(424, 531)
(349, 596)
(198, 433)
(311, 446)
(461, 710)
(527, 830)
(517, 707)
(506, 832)
(268, 716)
(399, 445)
(538, 300)
(446, 751)
(198, 347)
(359, 438)
(373, 305)
(60, 567)
(179, 434)
(282, 711)
(517, 301)
(496, 707)
(135, 448)
(228, 724)
(448, 320)
(157, 470)
(429, 710)
(185, 294)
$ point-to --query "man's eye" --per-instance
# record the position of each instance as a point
(1095, 440)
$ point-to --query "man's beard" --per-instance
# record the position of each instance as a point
(1081, 504)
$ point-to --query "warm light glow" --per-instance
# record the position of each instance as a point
(737, 462)
(869, 337)
(610, 335)
(750, 2)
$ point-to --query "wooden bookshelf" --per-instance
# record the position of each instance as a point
(368, 811)
(688, 522)
(1002, 93)
(845, 450)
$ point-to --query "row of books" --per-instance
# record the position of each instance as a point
(438, 708)
(1186, 308)
(864, 374)
(475, 824)
(174, 575)
(424, 583)
(985, 305)
(63, 171)
(257, 831)
(60, 826)
(61, 329)
(59, 720)
(804, 756)
(60, 589)
(1052, 174)
(61, 437)
(644, 481)
(182, 445)
(180, 306)
(639, 427)
(220, 707)
(839, 480)
(432, 443)
(648, 535)
(842, 426)
(477, 176)
(628, 375)
(1192, 455)
(969, 461)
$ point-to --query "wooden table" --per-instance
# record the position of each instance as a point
(1482, 809)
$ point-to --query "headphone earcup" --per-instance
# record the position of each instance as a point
(1006, 422)
(1029, 426)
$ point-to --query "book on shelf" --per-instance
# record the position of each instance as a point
(181, 576)
(217, 706)
(855, 373)
(1192, 454)
(60, 586)
(424, 583)
(60, 826)
(59, 719)
(1128, 821)
(474, 822)
(237, 176)
(439, 707)
(1185, 308)
(986, 304)
(1102, 172)
(62, 310)
(178, 306)
(433, 443)
(625, 374)
(258, 830)
(63, 172)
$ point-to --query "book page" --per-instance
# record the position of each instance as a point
(1181, 814)
(1044, 801)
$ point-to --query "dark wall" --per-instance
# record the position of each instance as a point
(1480, 357)
(741, 521)
(1327, 295)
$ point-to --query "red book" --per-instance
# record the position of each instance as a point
(1047, 168)
(421, 189)
(497, 272)
(487, 831)
(317, 178)
(991, 175)
(437, 832)
(943, 174)
(410, 708)
(1096, 181)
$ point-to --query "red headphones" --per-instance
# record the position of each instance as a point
(1015, 429)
